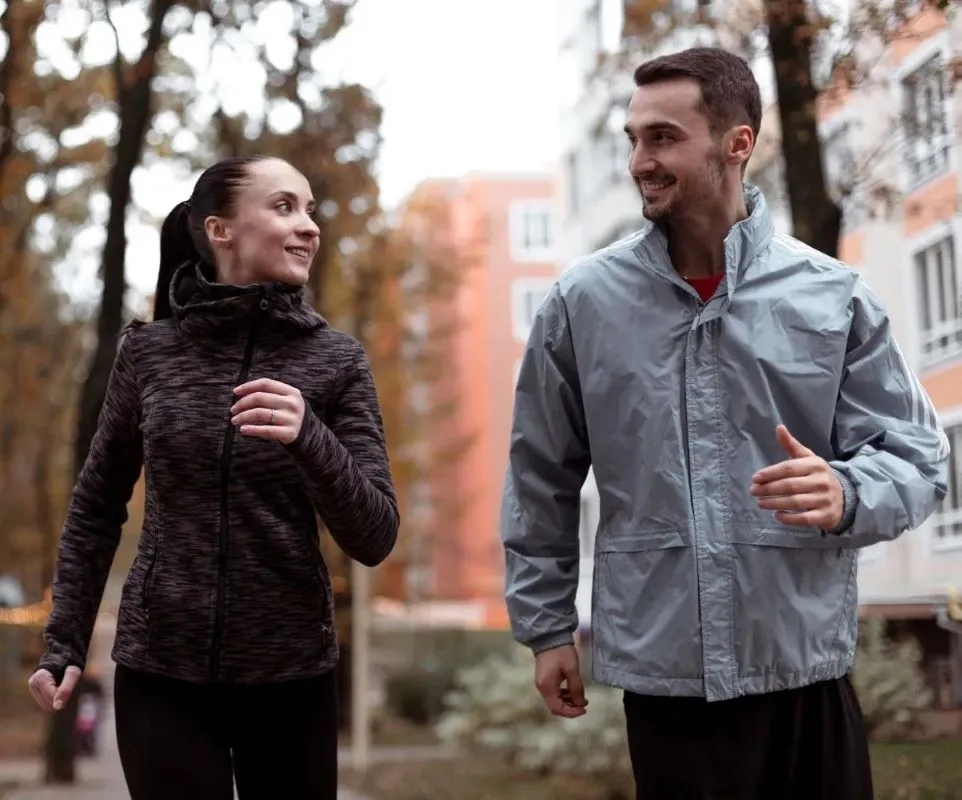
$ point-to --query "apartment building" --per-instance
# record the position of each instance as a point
(503, 230)
(891, 151)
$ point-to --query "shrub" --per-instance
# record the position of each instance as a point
(495, 706)
(417, 694)
(889, 681)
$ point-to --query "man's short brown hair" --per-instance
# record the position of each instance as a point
(729, 92)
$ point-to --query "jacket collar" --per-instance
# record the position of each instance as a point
(745, 241)
(203, 307)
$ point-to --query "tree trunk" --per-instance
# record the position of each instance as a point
(816, 217)
(134, 110)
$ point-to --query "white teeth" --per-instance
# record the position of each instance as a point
(297, 251)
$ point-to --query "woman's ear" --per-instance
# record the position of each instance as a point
(218, 232)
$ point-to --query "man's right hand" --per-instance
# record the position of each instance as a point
(557, 675)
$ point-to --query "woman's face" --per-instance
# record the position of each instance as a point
(272, 235)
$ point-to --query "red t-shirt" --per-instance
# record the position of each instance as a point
(705, 286)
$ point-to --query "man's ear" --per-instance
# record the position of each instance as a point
(741, 143)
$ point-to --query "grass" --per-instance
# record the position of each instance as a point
(918, 770)
(902, 771)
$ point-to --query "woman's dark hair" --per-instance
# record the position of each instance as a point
(182, 236)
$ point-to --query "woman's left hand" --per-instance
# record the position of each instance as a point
(268, 409)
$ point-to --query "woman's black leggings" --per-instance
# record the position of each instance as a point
(191, 742)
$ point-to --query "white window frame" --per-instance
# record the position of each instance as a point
(950, 419)
(937, 46)
(518, 214)
(917, 245)
(521, 288)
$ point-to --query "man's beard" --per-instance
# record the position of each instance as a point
(687, 195)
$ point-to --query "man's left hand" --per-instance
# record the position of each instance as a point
(803, 490)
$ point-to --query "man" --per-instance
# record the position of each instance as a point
(751, 423)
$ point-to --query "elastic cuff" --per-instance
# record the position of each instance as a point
(549, 641)
(56, 669)
(849, 503)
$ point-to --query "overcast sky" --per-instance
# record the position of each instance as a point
(465, 86)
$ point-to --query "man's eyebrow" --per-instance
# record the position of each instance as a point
(658, 125)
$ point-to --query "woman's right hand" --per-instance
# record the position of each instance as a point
(45, 691)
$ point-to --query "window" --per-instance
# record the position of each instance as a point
(527, 295)
(947, 522)
(926, 121)
(937, 289)
(532, 230)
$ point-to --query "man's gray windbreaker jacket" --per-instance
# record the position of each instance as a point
(674, 403)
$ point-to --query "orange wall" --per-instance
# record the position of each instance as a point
(479, 375)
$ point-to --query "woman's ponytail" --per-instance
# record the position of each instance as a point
(176, 248)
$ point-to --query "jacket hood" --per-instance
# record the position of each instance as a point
(202, 306)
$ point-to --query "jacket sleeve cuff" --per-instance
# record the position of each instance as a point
(849, 503)
(549, 641)
(54, 667)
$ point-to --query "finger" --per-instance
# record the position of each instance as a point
(262, 417)
(264, 385)
(260, 400)
(576, 689)
(796, 468)
(805, 519)
(795, 502)
(564, 706)
(70, 680)
(276, 433)
(790, 444)
(789, 486)
(552, 699)
(42, 689)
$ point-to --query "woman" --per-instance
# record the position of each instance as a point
(249, 414)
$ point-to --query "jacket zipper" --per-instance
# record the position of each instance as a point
(223, 549)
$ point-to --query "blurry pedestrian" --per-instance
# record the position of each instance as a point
(751, 423)
(250, 415)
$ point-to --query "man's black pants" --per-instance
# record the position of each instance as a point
(798, 744)
(183, 741)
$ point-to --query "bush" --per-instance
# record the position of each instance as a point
(890, 685)
(417, 695)
(495, 706)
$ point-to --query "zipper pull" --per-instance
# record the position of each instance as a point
(267, 293)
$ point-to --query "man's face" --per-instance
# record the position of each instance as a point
(676, 163)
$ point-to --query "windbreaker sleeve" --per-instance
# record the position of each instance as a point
(347, 470)
(548, 462)
(95, 517)
(893, 454)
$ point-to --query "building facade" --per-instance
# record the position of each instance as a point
(891, 149)
(503, 230)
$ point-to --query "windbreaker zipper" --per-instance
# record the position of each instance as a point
(223, 550)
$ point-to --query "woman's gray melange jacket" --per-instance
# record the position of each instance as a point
(228, 583)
